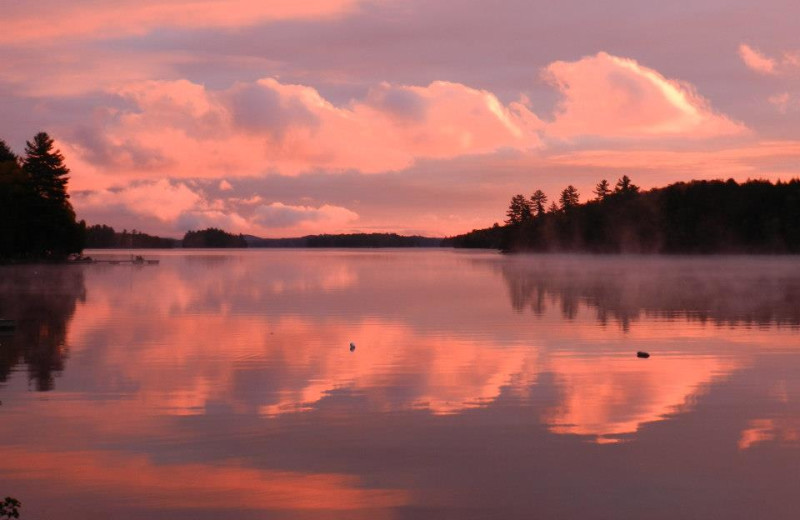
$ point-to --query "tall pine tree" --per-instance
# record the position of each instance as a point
(46, 169)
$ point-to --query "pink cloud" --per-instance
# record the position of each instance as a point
(613, 97)
(54, 19)
(757, 61)
(279, 216)
(270, 126)
(161, 199)
(763, 64)
(176, 207)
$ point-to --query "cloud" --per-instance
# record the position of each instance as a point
(279, 215)
(783, 102)
(190, 130)
(87, 19)
(161, 199)
(171, 207)
(757, 61)
(613, 97)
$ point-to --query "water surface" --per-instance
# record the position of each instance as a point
(221, 385)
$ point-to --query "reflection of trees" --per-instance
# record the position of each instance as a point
(41, 299)
(746, 291)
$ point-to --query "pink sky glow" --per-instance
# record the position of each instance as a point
(283, 118)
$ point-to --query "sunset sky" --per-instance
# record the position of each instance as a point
(286, 117)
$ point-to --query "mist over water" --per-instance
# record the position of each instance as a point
(221, 383)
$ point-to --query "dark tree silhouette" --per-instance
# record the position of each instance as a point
(569, 198)
(538, 203)
(37, 221)
(46, 168)
(696, 217)
(519, 210)
(6, 154)
(624, 185)
(213, 237)
(602, 190)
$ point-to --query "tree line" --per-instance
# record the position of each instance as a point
(37, 221)
(699, 217)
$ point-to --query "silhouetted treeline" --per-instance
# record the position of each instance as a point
(213, 237)
(37, 221)
(696, 217)
(104, 237)
(347, 240)
(41, 302)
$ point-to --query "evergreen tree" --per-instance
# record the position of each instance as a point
(36, 219)
(624, 185)
(538, 202)
(569, 198)
(6, 155)
(553, 208)
(46, 168)
(602, 190)
(519, 210)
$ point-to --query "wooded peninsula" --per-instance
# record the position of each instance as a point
(697, 217)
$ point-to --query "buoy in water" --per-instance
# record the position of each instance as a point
(641, 354)
(352, 346)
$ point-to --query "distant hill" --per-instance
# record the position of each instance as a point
(103, 237)
(213, 238)
(697, 217)
(346, 240)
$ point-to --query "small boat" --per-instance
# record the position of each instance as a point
(8, 324)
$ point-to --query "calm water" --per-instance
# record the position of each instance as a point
(221, 385)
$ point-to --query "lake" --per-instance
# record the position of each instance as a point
(222, 384)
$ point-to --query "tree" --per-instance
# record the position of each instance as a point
(538, 202)
(569, 198)
(36, 219)
(625, 186)
(519, 210)
(6, 155)
(553, 208)
(602, 190)
(9, 508)
(46, 168)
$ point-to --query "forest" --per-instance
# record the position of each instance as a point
(37, 222)
(696, 217)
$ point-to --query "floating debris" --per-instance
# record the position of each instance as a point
(352, 346)
(642, 354)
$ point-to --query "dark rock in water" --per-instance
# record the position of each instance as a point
(352, 346)
(642, 354)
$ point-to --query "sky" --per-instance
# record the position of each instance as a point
(283, 118)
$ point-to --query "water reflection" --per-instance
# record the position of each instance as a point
(727, 290)
(41, 301)
(222, 384)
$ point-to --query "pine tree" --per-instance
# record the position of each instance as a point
(624, 185)
(602, 190)
(519, 210)
(538, 202)
(46, 168)
(6, 155)
(569, 198)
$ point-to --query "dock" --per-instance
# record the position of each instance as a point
(133, 260)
